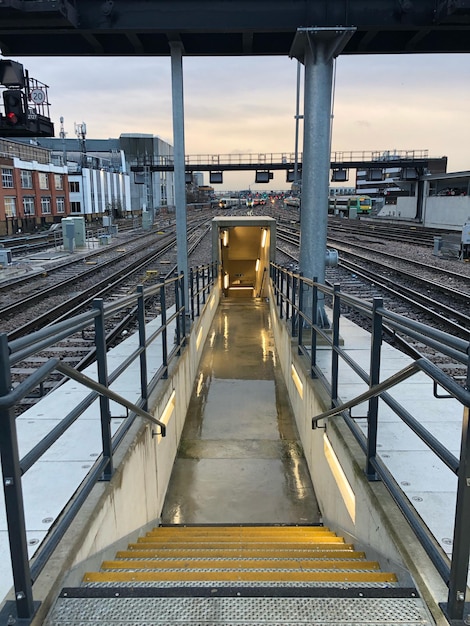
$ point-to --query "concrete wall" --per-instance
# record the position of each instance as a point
(405, 208)
(133, 499)
(450, 212)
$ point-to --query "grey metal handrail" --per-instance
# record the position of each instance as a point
(14, 467)
(105, 391)
(289, 288)
(373, 392)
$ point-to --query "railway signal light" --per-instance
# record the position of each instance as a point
(14, 110)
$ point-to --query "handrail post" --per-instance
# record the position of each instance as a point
(198, 302)
(203, 285)
(301, 310)
(314, 318)
(287, 297)
(335, 339)
(191, 289)
(101, 362)
(13, 491)
(142, 345)
(164, 331)
(461, 539)
(183, 296)
(294, 312)
(178, 314)
(281, 294)
(277, 281)
(374, 379)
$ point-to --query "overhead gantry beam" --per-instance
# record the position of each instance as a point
(227, 27)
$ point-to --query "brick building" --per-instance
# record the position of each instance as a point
(33, 191)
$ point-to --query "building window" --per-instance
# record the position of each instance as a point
(60, 204)
(26, 179)
(10, 207)
(75, 207)
(74, 186)
(58, 182)
(45, 205)
(7, 177)
(43, 180)
(28, 205)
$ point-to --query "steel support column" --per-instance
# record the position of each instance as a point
(316, 48)
(178, 148)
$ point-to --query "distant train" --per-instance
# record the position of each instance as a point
(228, 203)
(292, 202)
(349, 206)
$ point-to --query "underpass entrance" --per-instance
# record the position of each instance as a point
(243, 248)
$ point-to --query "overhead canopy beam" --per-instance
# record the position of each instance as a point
(227, 27)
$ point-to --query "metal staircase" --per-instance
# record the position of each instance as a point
(239, 576)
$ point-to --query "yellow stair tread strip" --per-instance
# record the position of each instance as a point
(238, 552)
(248, 536)
(245, 530)
(156, 545)
(244, 541)
(241, 564)
(331, 576)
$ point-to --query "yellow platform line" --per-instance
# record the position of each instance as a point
(237, 552)
(241, 564)
(326, 577)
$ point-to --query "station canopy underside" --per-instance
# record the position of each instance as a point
(227, 27)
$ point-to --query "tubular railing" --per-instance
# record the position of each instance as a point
(172, 334)
(290, 291)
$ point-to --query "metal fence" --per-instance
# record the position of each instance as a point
(171, 332)
(307, 332)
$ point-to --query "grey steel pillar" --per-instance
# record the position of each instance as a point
(316, 48)
(179, 161)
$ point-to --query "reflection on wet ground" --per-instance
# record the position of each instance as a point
(240, 460)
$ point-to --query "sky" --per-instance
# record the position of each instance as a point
(248, 104)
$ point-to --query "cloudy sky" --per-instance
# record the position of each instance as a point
(247, 104)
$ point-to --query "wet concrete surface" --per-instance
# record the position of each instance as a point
(240, 459)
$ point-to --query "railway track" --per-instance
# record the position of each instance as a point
(119, 281)
(365, 270)
(437, 296)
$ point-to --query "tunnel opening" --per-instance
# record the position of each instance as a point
(243, 249)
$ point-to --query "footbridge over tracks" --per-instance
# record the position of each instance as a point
(416, 161)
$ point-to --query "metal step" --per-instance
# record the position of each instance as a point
(239, 611)
(239, 576)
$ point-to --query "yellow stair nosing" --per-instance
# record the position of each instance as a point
(187, 545)
(263, 576)
(240, 552)
(289, 563)
(245, 530)
(182, 536)
(244, 541)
